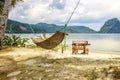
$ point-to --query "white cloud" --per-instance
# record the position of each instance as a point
(100, 9)
(89, 11)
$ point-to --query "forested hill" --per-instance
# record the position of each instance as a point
(111, 26)
(18, 27)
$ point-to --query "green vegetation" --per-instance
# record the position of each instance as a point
(18, 27)
(111, 26)
(17, 41)
(14, 40)
(13, 3)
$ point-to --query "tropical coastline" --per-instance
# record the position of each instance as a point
(100, 42)
(52, 64)
(59, 40)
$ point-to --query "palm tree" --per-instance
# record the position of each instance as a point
(13, 4)
(5, 8)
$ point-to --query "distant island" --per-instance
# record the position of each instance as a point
(110, 26)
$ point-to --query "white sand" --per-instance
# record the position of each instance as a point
(25, 53)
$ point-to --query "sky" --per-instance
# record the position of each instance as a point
(90, 13)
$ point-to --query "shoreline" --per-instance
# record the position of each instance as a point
(19, 54)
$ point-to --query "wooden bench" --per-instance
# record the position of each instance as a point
(80, 45)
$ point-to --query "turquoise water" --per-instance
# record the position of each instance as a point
(99, 42)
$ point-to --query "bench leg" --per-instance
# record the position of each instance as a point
(74, 51)
(84, 48)
(86, 51)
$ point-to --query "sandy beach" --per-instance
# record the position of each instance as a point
(41, 39)
(19, 54)
(40, 64)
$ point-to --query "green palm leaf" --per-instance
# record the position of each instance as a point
(13, 4)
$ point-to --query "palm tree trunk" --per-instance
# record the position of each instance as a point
(3, 20)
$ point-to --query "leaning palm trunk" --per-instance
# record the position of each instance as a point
(3, 20)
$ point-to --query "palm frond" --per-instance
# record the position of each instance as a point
(1, 6)
(13, 4)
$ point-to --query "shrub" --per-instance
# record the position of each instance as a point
(14, 41)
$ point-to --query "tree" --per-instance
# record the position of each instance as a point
(3, 20)
(4, 11)
(13, 3)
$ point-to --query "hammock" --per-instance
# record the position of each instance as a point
(51, 42)
(56, 39)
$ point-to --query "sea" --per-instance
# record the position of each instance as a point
(107, 42)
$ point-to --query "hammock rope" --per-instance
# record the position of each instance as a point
(65, 28)
(72, 13)
(32, 29)
(58, 37)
